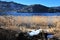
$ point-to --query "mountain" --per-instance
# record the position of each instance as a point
(58, 7)
(10, 6)
(55, 9)
(36, 8)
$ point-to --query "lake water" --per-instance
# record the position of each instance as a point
(30, 14)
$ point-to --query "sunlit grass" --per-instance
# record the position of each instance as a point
(26, 23)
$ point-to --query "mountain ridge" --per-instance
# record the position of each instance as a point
(36, 8)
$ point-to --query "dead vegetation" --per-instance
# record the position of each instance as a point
(21, 23)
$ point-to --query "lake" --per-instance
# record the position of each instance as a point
(29, 14)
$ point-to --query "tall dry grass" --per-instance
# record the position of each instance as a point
(23, 23)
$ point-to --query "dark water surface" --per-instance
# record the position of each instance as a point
(29, 14)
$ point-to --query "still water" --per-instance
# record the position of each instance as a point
(30, 14)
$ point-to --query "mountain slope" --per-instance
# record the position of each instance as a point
(36, 8)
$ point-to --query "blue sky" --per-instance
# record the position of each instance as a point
(48, 3)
